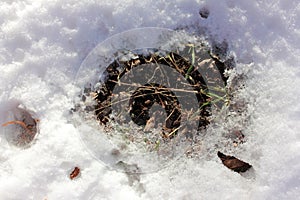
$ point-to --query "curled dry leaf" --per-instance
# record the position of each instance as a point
(75, 173)
(233, 163)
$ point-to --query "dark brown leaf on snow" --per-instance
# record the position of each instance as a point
(75, 173)
(233, 163)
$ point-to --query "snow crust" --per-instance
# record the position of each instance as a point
(42, 45)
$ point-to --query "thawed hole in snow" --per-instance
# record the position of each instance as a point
(147, 96)
(160, 82)
(21, 127)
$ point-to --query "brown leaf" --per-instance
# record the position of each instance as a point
(233, 163)
(75, 173)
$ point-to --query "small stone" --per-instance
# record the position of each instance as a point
(235, 144)
(115, 152)
(204, 12)
(150, 124)
(147, 102)
(83, 98)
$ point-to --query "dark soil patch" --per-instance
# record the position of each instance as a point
(144, 97)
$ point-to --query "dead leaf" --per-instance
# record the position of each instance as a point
(75, 173)
(233, 163)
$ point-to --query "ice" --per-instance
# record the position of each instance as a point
(42, 45)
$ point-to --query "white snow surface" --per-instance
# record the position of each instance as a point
(42, 45)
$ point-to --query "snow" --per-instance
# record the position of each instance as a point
(42, 46)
